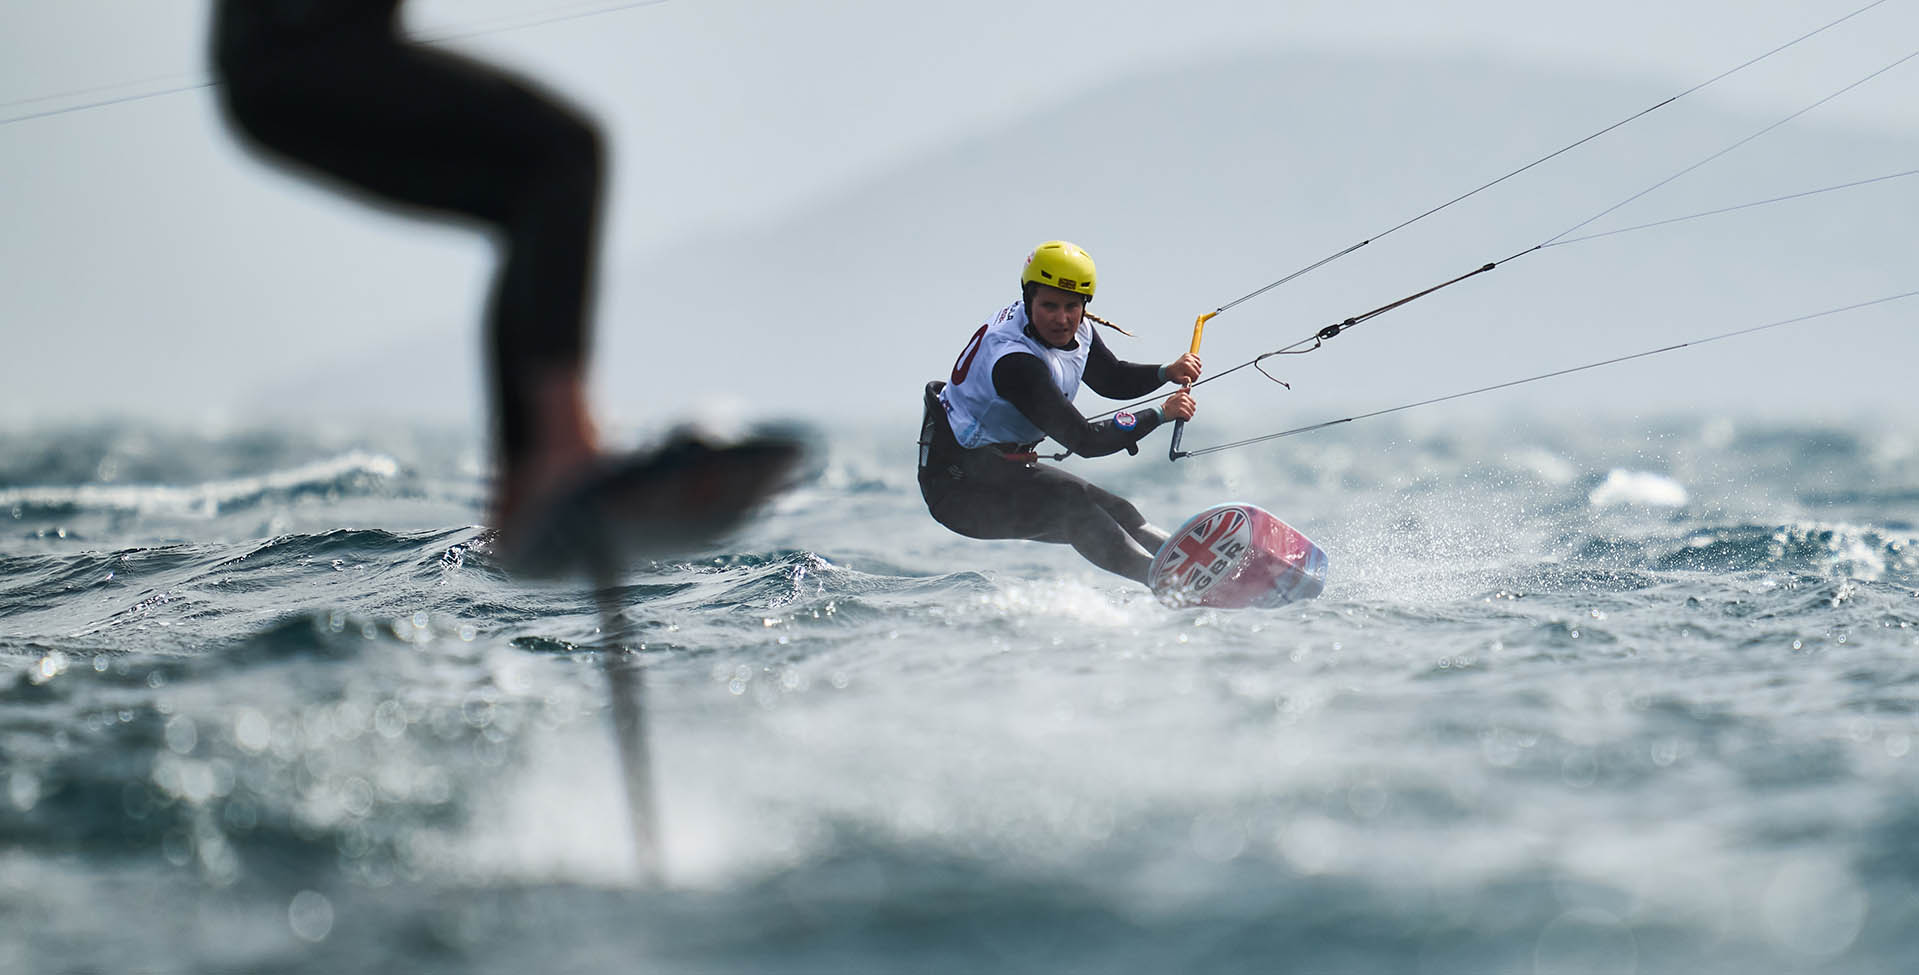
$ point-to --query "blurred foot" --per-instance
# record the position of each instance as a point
(648, 504)
(565, 447)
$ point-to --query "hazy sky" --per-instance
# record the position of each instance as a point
(814, 204)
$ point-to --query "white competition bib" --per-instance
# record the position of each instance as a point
(975, 409)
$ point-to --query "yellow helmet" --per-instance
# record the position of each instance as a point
(1061, 265)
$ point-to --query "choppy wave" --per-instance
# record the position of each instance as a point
(1842, 551)
(288, 714)
(353, 472)
(1638, 487)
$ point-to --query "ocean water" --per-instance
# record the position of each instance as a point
(1634, 696)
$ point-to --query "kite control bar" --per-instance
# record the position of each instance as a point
(1179, 426)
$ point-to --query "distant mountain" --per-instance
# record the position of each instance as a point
(1193, 186)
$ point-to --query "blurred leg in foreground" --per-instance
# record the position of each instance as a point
(331, 87)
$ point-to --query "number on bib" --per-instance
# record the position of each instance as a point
(964, 364)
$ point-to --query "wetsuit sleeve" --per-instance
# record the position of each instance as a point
(1024, 381)
(1113, 379)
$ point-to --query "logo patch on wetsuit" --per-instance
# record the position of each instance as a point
(1125, 420)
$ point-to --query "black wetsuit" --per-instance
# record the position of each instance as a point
(1000, 491)
(331, 85)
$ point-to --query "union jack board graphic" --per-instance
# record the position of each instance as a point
(1206, 552)
(1237, 556)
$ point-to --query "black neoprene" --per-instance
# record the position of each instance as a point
(333, 86)
(1024, 381)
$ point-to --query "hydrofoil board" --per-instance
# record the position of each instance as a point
(1237, 556)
